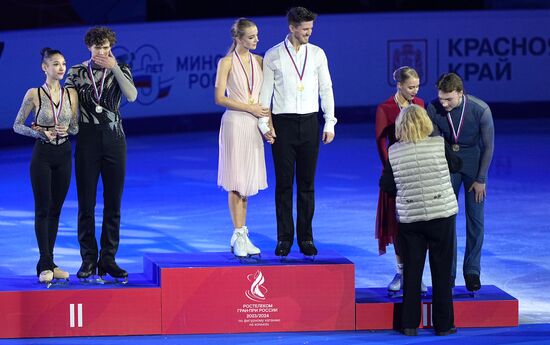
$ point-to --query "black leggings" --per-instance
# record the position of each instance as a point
(50, 178)
(100, 150)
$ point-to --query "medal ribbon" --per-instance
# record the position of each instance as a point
(249, 83)
(57, 112)
(457, 134)
(300, 75)
(96, 92)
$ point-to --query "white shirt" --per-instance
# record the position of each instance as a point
(281, 82)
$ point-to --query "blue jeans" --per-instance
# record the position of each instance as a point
(474, 226)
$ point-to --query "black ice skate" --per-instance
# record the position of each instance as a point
(282, 249)
(87, 271)
(308, 249)
(112, 269)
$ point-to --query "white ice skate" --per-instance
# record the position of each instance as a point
(395, 285)
(46, 278)
(58, 273)
(251, 249)
(238, 244)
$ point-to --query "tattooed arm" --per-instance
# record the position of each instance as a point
(30, 103)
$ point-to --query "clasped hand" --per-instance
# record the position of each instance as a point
(258, 111)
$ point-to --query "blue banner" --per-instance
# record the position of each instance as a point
(503, 56)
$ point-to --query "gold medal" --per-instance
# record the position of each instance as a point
(250, 100)
(300, 87)
(456, 147)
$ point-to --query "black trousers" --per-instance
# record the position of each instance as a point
(50, 173)
(295, 151)
(100, 151)
(414, 239)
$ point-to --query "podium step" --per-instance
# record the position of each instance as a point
(31, 310)
(196, 293)
(217, 293)
(489, 307)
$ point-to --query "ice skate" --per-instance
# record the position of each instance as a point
(238, 244)
(308, 249)
(46, 278)
(86, 272)
(251, 249)
(473, 284)
(112, 269)
(282, 249)
(395, 285)
(59, 274)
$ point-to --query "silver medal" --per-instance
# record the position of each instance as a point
(98, 109)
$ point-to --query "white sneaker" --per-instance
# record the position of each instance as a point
(238, 244)
(251, 249)
(46, 276)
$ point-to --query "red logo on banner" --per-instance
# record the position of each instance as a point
(257, 290)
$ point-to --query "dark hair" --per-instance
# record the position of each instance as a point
(449, 82)
(404, 73)
(237, 31)
(298, 15)
(48, 52)
(97, 35)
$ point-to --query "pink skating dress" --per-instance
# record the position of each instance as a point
(241, 160)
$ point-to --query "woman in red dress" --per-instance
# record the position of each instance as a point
(386, 223)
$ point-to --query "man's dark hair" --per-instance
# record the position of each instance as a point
(298, 15)
(97, 36)
(450, 82)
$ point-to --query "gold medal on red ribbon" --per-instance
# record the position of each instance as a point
(300, 75)
(249, 83)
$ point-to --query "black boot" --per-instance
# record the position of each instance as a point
(87, 269)
(110, 268)
(283, 248)
(308, 248)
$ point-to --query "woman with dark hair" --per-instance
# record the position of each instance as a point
(241, 168)
(100, 150)
(408, 82)
(55, 117)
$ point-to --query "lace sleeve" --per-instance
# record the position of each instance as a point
(73, 99)
(26, 107)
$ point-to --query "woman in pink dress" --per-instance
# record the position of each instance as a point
(241, 165)
(386, 222)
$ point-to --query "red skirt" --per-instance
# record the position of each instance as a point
(386, 222)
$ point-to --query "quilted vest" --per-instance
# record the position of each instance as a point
(421, 174)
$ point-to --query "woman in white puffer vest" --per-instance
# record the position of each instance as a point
(418, 173)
